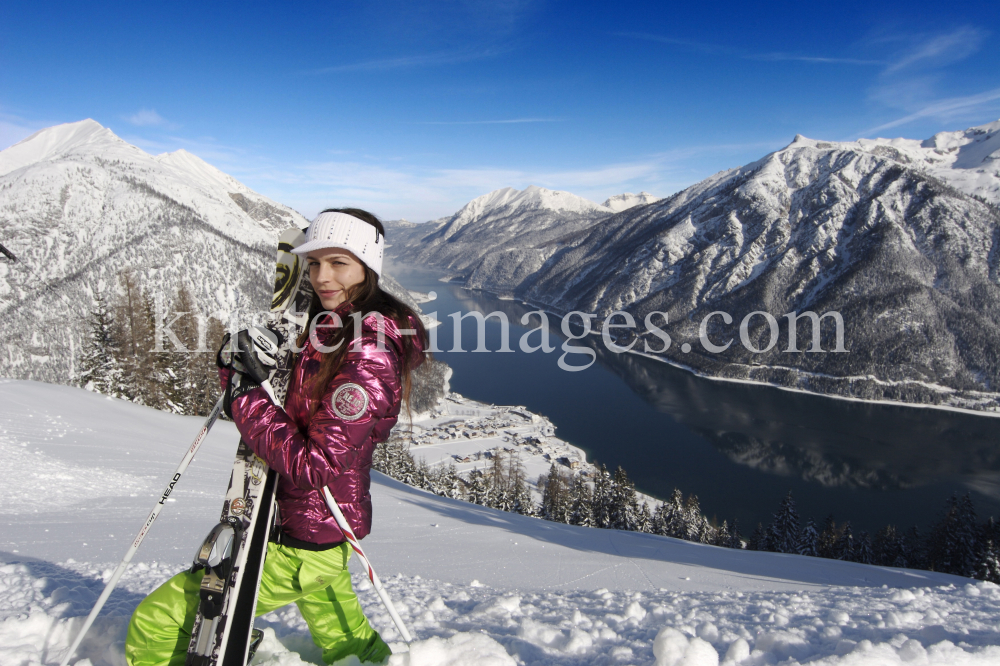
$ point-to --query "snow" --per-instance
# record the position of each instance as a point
(476, 586)
(968, 160)
(621, 202)
(530, 197)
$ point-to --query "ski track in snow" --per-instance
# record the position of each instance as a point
(551, 594)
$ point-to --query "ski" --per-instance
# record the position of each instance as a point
(233, 554)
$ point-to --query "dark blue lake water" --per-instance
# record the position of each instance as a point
(739, 447)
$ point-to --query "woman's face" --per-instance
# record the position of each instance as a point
(332, 273)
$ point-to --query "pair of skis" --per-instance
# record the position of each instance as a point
(233, 554)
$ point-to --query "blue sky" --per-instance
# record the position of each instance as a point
(413, 108)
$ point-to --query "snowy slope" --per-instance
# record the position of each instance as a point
(471, 582)
(78, 205)
(968, 160)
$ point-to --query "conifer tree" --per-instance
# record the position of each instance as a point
(825, 546)
(674, 518)
(913, 549)
(478, 489)
(952, 543)
(988, 559)
(758, 540)
(624, 507)
(809, 540)
(722, 535)
(865, 553)
(845, 548)
(888, 547)
(517, 489)
(696, 527)
(581, 512)
(645, 519)
(783, 534)
(735, 538)
(602, 497)
(556, 500)
(100, 370)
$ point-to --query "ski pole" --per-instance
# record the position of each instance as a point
(188, 456)
(372, 576)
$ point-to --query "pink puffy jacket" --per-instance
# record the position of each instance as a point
(334, 446)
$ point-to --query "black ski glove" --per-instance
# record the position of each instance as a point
(251, 356)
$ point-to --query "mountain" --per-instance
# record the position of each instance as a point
(900, 237)
(968, 160)
(621, 202)
(78, 205)
(507, 230)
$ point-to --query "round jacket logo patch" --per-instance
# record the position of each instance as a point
(349, 402)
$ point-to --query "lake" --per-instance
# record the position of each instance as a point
(739, 447)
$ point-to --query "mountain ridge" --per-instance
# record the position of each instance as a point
(78, 205)
(908, 256)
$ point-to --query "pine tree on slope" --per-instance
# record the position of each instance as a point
(100, 370)
(783, 534)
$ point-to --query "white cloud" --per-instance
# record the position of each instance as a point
(148, 118)
(945, 109)
(422, 193)
(401, 62)
(939, 50)
(913, 80)
(718, 49)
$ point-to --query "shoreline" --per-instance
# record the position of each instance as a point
(702, 375)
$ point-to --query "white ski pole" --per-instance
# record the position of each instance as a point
(188, 456)
(372, 576)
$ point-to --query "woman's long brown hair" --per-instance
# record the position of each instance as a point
(365, 298)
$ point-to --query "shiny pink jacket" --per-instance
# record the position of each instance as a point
(329, 444)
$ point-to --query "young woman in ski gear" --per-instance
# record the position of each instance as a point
(345, 394)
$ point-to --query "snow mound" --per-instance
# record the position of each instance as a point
(462, 649)
(673, 648)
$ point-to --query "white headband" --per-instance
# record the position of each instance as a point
(346, 232)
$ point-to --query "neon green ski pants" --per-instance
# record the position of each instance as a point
(317, 582)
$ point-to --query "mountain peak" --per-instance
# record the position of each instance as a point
(54, 142)
(532, 196)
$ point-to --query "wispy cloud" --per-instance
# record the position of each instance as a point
(511, 121)
(401, 62)
(942, 109)
(939, 50)
(718, 49)
(912, 82)
(149, 118)
(418, 192)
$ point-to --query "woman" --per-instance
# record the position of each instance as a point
(343, 398)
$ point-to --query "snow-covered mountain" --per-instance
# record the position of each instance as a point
(621, 202)
(505, 230)
(78, 205)
(901, 237)
(968, 160)
(474, 585)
